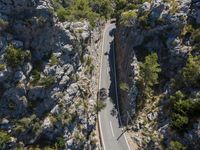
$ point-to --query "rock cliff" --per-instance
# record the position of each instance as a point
(168, 29)
(47, 77)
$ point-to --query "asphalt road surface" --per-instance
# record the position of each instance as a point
(110, 128)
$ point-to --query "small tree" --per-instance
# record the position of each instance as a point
(48, 81)
(100, 105)
(191, 72)
(179, 121)
(149, 71)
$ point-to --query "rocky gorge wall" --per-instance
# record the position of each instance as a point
(49, 95)
(159, 27)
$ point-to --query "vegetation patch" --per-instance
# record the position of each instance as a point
(15, 56)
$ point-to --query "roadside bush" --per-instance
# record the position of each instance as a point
(124, 87)
(100, 105)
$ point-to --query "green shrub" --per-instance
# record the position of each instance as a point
(15, 56)
(143, 19)
(2, 67)
(175, 145)
(128, 17)
(148, 77)
(190, 74)
(48, 81)
(62, 14)
(100, 105)
(53, 60)
(76, 11)
(31, 123)
(149, 70)
(183, 109)
(36, 77)
(179, 121)
(4, 138)
(102, 7)
(60, 143)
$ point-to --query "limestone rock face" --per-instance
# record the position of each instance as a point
(160, 27)
(44, 94)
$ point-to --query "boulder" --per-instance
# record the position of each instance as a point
(152, 116)
(47, 123)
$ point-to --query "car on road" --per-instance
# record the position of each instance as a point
(103, 94)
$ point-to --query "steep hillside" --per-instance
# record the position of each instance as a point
(158, 59)
(47, 75)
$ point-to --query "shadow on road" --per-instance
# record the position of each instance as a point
(112, 90)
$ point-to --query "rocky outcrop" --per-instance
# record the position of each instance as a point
(51, 96)
(156, 26)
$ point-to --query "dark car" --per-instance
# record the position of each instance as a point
(103, 94)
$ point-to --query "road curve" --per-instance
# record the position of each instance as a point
(111, 132)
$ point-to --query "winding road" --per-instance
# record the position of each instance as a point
(111, 132)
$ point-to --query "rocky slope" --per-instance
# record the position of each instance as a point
(167, 28)
(47, 78)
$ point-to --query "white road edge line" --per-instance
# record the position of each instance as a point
(112, 129)
(126, 141)
(104, 147)
(115, 75)
(102, 50)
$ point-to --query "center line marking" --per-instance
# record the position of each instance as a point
(112, 129)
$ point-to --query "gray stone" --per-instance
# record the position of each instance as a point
(145, 7)
(198, 17)
(55, 110)
(19, 76)
(152, 116)
(70, 142)
(4, 121)
(138, 141)
(47, 123)
(27, 68)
